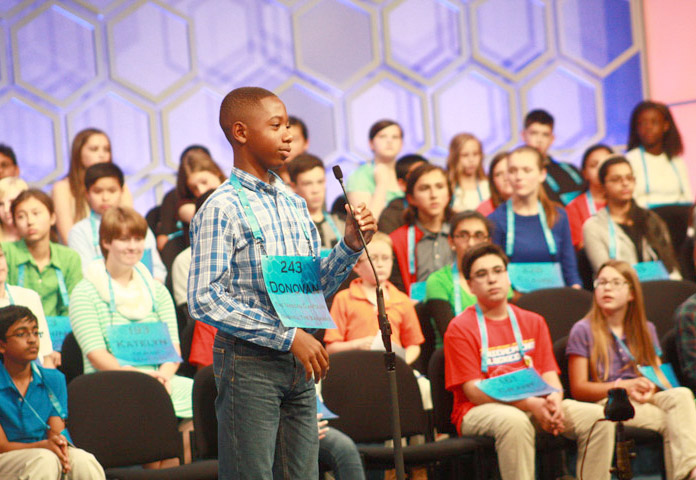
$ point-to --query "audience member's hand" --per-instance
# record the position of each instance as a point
(52, 360)
(163, 379)
(322, 426)
(364, 343)
(541, 413)
(385, 175)
(368, 226)
(553, 404)
(639, 389)
(58, 444)
(311, 354)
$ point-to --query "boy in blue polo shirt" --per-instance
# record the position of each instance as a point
(33, 407)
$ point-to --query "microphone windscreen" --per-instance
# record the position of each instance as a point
(337, 172)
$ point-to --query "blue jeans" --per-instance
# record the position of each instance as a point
(338, 451)
(266, 410)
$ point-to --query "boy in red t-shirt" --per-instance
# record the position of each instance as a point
(513, 424)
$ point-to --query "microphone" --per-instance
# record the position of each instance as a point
(384, 325)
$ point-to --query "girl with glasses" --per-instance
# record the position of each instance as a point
(615, 346)
(625, 231)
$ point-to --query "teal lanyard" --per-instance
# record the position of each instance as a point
(94, 222)
(411, 247)
(333, 226)
(51, 396)
(9, 295)
(569, 170)
(457, 289)
(484, 336)
(478, 190)
(645, 173)
(622, 346)
(590, 203)
(253, 222)
(510, 237)
(613, 248)
(61, 283)
(112, 298)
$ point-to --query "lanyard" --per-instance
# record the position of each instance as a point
(251, 216)
(333, 226)
(9, 295)
(569, 170)
(112, 298)
(613, 246)
(94, 222)
(645, 173)
(510, 238)
(411, 247)
(457, 289)
(484, 337)
(61, 283)
(590, 203)
(51, 396)
(622, 346)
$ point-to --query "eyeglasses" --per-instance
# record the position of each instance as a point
(615, 283)
(482, 275)
(26, 333)
(621, 179)
(478, 236)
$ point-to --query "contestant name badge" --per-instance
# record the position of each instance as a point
(294, 286)
(59, 327)
(529, 276)
(516, 385)
(146, 343)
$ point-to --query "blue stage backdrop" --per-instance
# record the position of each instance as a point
(152, 74)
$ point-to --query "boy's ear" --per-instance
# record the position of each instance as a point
(240, 132)
(3, 346)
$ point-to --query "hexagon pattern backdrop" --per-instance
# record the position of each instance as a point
(152, 74)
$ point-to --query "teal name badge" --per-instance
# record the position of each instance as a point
(294, 286)
(146, 343)
(516, 385)
(326, 414)
(527, 277)
(325, 252)
(667, 370)
(418, 291)
(58, 327)
(651, 271)
(568, 197)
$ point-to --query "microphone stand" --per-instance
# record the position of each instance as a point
(389, 355)
(619, 409)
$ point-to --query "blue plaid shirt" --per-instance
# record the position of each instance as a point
(225, 285)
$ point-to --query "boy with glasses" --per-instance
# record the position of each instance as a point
(33, 407)
(493, 338)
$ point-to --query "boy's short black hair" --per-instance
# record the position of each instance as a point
(302, 163)
(538, 116)
(102, 170)
(479, 251)
(292, 120)
(11, 314)
(404, 164)
(8, 152)
(238, 104)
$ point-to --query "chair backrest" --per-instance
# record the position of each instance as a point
(204, 417)
(428, 346)
(559, 351)
(662, 298)
(442, 398)
(677, 219)
(561, 307)
(671, 355)
(72, 363)
(357, 390)
(123, 418)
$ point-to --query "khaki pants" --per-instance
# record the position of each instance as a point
(43, 464)
(672, 413)
(514, 435)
